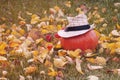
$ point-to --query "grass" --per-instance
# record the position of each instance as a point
(9, 10)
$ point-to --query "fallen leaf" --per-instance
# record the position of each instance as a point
(100, 60)
(91, 67)
(115, 33)
(3, 78)
(2, 58)
(78, 65)
(89, 54)
(48, 63)
(21, 77)
(62, 52)
(59, 63)
(118, 26)
(75, 53)
(117, 4)
(92, 77)
(69, 59)
(30, 69)
(4, 73)
(91, 60)
(52, 72)
(35, 19)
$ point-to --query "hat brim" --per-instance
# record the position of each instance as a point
(68, 34)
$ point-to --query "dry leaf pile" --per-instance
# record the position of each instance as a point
(29, 45)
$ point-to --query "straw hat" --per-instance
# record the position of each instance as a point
(78, 25)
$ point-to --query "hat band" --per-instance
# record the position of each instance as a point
(77, 28)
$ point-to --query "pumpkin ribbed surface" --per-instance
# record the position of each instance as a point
(85, 41)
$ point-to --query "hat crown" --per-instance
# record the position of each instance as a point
(78, 20)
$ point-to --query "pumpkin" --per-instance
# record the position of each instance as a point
(85, 41)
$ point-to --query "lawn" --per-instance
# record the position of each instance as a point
(36, 60)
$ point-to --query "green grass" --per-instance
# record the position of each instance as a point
(9, 10)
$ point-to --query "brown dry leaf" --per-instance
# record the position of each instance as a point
(21, 77)
(91, 67)
(68, 4)
(3, 78)
(100, 60)
(59, 62)
(92, 77)
(4, 73)
(104, 10)
(116, 71)
(117, 4)
(30, 69)
(116, 59)
(48, 63)
(78, 65)
(69, 59)
(14, 44)
(34, 34)
(2, 58)
(115, 33)
(22, 22)
(62, 52)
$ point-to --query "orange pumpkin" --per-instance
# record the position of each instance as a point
(85, 41)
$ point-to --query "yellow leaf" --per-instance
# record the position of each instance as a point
(30, 69)
(56, 8)
(52, 72)
(43, 55)
(44, 31)
(2, 52)
(59, 27)
(75, 53)
(58, 45)
(15, 33)
(35, 19)
(22, 31)
(3, 45)
(39, 40)
(118, 26)
(35, 53)
(91, 60)
(104, 38)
